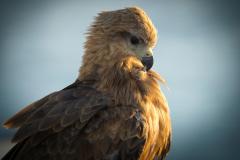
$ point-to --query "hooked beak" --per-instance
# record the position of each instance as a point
(147, 61)
(146, 57)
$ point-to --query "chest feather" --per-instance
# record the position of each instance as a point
(156, 130)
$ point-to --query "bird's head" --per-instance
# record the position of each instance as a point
(125, 32)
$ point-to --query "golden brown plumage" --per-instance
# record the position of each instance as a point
(115, 109)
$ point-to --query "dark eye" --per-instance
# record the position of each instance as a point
(134, 40)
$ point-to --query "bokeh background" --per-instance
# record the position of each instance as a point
(41, 47)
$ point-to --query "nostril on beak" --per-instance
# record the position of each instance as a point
(148, 54)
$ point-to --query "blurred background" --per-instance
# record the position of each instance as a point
(41, 47)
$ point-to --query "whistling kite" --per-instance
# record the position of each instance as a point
(115, 109)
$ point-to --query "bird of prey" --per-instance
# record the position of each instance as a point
(115, 110)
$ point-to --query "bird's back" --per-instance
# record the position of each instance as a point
(77, 123)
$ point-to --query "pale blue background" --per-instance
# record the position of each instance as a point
(41, 45)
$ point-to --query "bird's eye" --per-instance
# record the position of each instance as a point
(134, 40)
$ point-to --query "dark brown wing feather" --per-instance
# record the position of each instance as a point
(78, 122)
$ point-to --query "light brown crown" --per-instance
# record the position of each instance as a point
(133, 20)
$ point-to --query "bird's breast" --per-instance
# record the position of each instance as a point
(156, 130)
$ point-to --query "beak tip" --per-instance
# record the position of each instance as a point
(147, 62)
